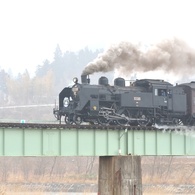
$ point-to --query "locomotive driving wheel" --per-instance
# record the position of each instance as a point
(143, 120)
(103, 121)
(124, 117)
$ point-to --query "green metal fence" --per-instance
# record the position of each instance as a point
(95, 142)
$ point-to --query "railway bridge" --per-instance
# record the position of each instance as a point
(119, 148)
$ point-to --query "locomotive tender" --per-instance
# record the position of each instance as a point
(143, 102)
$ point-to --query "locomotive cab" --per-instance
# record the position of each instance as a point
(167, 105)
(189, 89)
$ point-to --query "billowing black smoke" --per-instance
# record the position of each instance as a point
(171, 56)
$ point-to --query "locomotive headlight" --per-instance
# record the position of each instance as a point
(75, 80)
(66, 102)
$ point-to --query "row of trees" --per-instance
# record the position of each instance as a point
(25, 90)
(49, 79)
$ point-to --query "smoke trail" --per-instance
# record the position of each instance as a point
(171, 56)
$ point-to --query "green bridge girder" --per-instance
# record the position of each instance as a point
(94, 142)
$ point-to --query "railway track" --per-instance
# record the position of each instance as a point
(65, 126)
(83, 127)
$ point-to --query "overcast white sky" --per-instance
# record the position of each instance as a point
(31, 29)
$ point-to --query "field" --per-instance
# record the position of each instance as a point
(168, 175)
(41, 175)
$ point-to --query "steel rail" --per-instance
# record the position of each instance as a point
(101, 127)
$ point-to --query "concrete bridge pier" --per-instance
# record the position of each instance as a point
(120, 175)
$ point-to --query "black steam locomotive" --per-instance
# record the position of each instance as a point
(141, 103)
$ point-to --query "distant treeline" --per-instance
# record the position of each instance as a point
(49, 79)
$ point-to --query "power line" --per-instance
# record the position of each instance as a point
(27, 106)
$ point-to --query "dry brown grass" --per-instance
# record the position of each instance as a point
(168, 170)
(68, 178)
(155, 170)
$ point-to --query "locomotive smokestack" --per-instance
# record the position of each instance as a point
(85, 79)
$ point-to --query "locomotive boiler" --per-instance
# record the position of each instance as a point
(143, 102)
